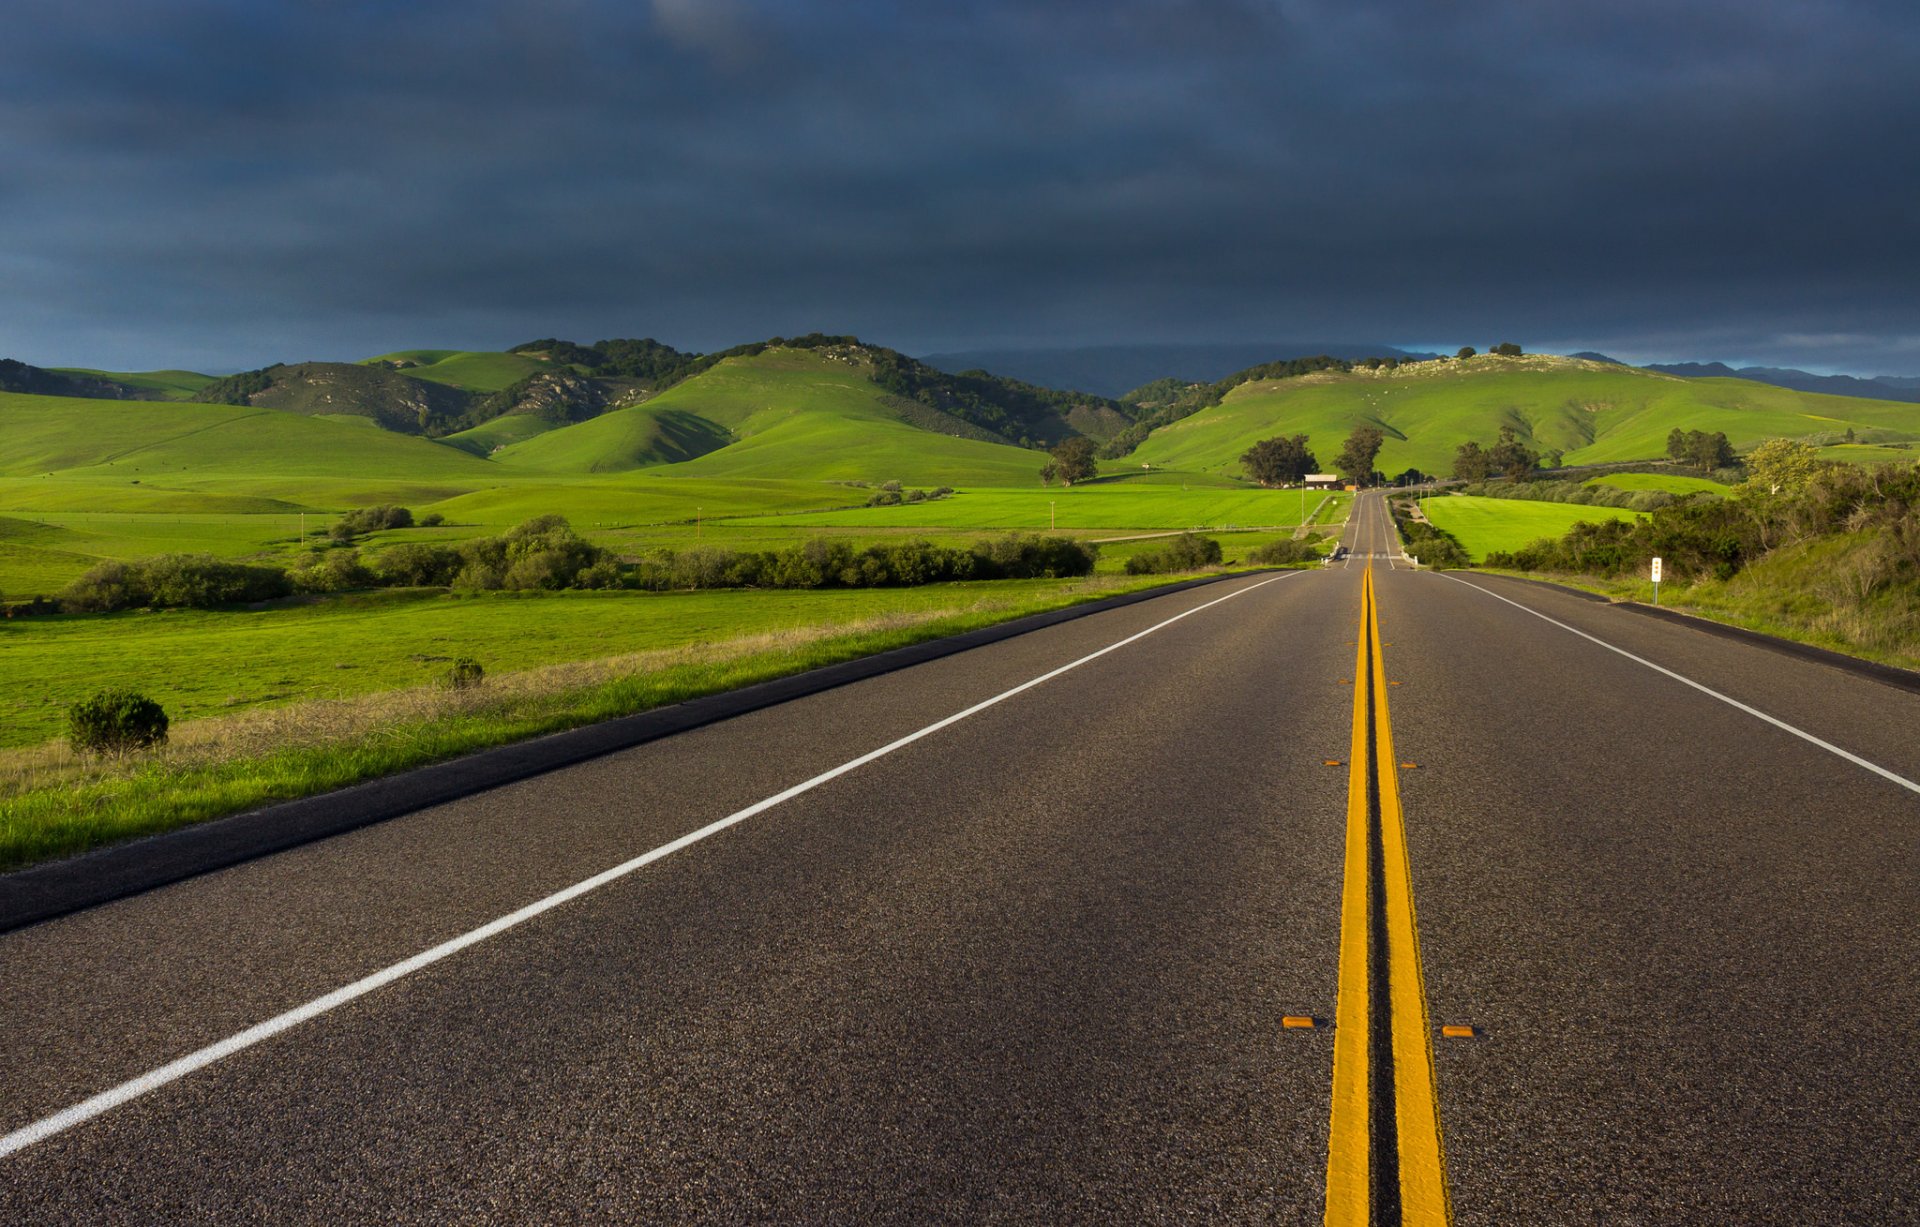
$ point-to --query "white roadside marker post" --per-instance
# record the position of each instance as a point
(1656, 581)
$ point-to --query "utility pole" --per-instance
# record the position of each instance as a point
(1051, 521)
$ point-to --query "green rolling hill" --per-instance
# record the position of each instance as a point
(130, 440)
(171, 385)
(782, 413)
(1591, 412)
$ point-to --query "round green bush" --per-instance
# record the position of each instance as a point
(116, 722)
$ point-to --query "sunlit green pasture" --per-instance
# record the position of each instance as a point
(1672, 483)
(1485, 525)
(200, 663)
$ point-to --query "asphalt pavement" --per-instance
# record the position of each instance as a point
(1032, 965)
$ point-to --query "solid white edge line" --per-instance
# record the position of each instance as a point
(1755, 712)
(134, 1088)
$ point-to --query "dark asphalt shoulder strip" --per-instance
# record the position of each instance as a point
(1891, 675)
(44, 892)
(1904, 679)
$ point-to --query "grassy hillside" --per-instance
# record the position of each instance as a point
(638, 437)
(173, 385)
(144, 440)
(498, 432)
(782, 413)
(1591, 412)
(475, 371)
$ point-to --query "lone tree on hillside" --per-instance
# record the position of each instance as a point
(1277, 461)
(1512, 457)
(1506, 349)
(1465, 351)
(1355, 461)
(1073, 460)
(1470, 462)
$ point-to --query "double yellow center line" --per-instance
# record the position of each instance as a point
(1384, 1159)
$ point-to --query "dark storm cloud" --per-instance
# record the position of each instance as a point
(227, 184)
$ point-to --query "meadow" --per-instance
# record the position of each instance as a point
(200, 663)
(1486, 525)
(1672, 483)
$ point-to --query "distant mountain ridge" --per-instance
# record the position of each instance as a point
(1113, 370)
(1879, 387)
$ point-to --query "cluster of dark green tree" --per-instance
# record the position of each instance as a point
(1509, 458)
(1574, 492)
(1506, 349)
(1698, 450)
(237, 389)
(1285, 460)
(1876, 509)
(827, 562)
(546, 554)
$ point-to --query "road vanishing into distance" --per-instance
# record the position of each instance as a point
(1157, 915)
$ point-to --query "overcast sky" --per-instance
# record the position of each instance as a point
(228, 183)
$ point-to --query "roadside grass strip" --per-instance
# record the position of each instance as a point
(1385, 1160)
(134, 1088)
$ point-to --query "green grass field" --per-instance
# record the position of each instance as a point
(1672, 483)
(1592, 412)
(218, 662)
(1870, 453)
(1484, 525)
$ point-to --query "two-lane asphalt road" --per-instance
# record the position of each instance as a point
(1026, 934)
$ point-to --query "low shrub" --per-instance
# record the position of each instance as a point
(173, 581)
(331, 571)
(370, 519)
(115, 722)
(1286, 551)
(1185, 552)
(465, 673)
